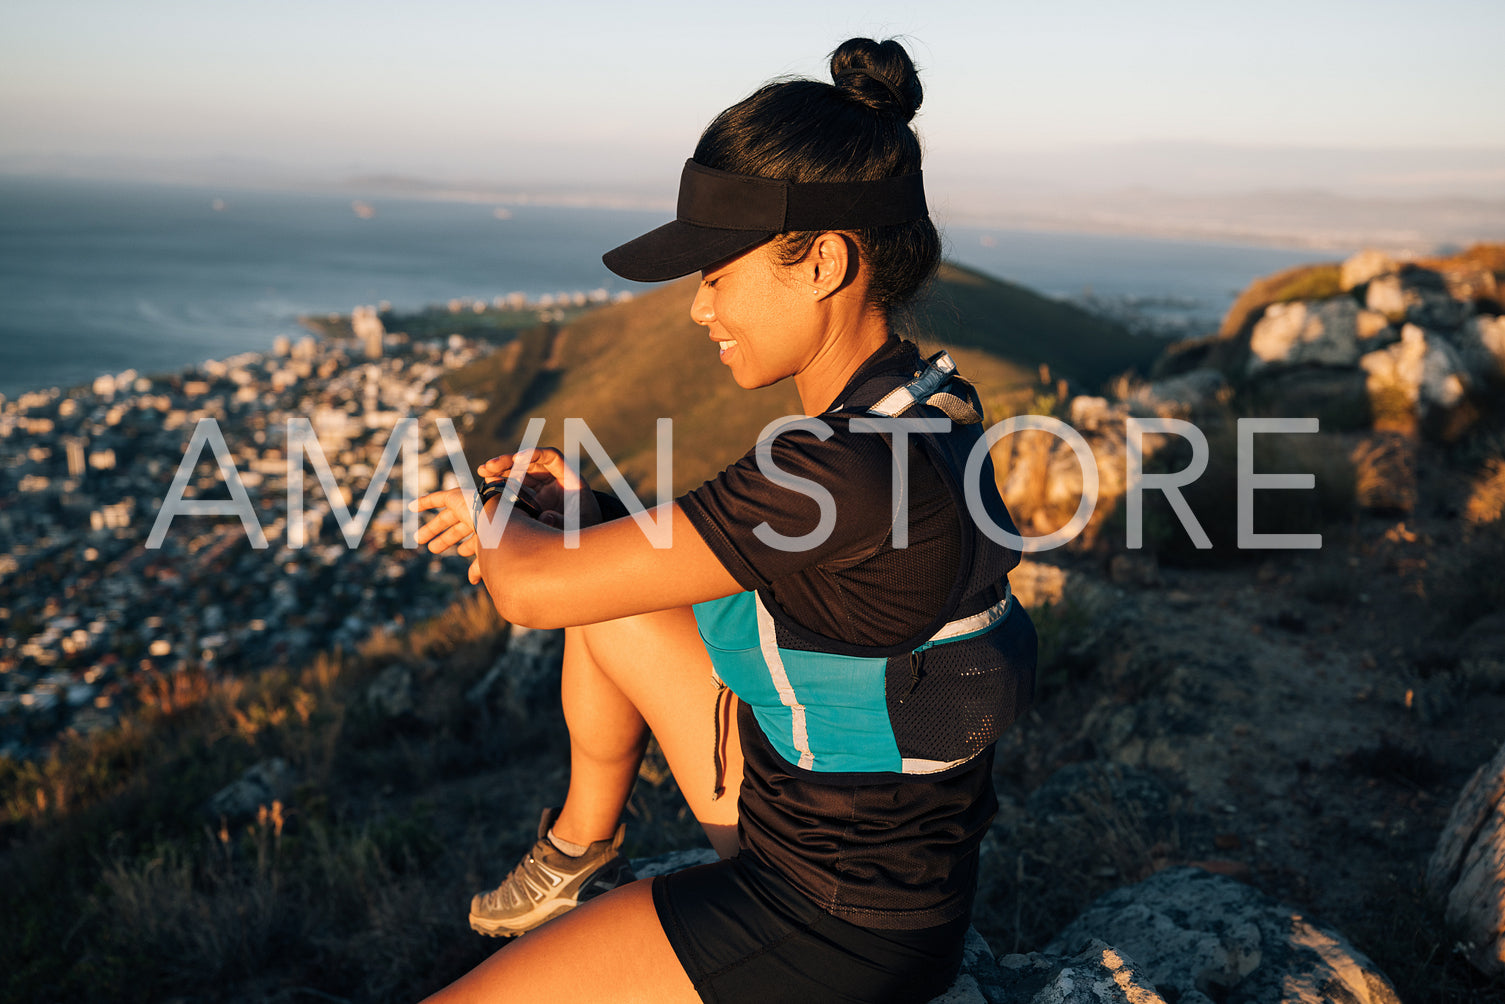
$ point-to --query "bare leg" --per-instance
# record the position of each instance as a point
(623, 678)
(609, 949)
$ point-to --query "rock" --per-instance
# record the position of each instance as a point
(1387, 296)
(1091, 413)
(1364, 266)
(1148, 733)
(1375, 330)
(391, 693)
(1481, 348)
(1418, 373)
(1323, 333)
(1179, 396)
(266, 782)
(1470, 283)
(1384, 465)
(673, 861)
(1036, 584)
(1419, 296)
(1199, 937)
(1097, 973)
(1466, 872)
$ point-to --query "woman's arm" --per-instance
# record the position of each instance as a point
(535, 581)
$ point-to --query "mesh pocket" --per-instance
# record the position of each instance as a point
(951, 701)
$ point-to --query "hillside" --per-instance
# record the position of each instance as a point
(622, 367)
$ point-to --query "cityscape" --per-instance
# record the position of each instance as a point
(90, 614)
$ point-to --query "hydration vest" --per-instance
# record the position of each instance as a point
(917, 709)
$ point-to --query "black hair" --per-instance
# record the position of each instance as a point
(854, 129)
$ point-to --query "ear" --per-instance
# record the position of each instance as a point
(830, 264)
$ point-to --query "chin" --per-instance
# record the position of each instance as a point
(749, 381)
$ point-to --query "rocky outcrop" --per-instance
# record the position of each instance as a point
(1097, 973)
(1324, 333)
(261, 785)
(1421, 374)
(1467, 870)
(1397, 344)
(1199, 938)
(1481, 347)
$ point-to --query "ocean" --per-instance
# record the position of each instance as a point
(97, 277)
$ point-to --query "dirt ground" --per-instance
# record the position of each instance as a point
(1309, 718)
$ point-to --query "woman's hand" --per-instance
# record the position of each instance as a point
(451, 526)
(552, 481)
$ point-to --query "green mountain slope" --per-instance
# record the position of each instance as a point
(622, 367)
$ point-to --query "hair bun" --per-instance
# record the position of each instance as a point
(879, 75)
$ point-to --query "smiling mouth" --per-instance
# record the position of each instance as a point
(725, 346)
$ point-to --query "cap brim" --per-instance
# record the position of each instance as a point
(679, 248)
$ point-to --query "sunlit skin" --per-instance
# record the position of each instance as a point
(633, 661)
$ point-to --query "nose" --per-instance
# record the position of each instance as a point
(702, 310)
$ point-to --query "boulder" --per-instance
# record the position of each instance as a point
(1375, 330)
(267, 782)
(1179, 396)
(1199, 937)
(1420, 373)
(391, 693)
(1096, 973)
(1364, 266)
(1090, 413)
(1419, 296)
(1481, 348)
(1324, 333)
(1466, 872)
(1036, 584)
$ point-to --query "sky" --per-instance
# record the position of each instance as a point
(1402, 97)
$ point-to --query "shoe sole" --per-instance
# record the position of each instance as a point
(510, 927)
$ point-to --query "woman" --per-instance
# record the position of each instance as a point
(839, 585)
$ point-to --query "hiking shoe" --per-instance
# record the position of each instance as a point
(548, 882)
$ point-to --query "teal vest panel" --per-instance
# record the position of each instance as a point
(822, 711)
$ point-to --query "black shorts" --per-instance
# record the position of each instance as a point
(743, 933)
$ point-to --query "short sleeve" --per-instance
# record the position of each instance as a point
(854, 468)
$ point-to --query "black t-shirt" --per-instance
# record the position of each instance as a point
(880, 851)
(829, 589)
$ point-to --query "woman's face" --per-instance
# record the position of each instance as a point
(761, 318)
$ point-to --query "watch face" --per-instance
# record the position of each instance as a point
(523, 499)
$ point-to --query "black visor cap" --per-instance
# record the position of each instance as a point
(721, 215)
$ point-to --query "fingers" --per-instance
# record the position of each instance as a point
(542, 461)
(433, 500)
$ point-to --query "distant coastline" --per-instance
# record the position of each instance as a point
(101, 277)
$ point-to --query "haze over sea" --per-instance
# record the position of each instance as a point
(98, 277)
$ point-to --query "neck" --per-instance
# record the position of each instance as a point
(839, 356)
